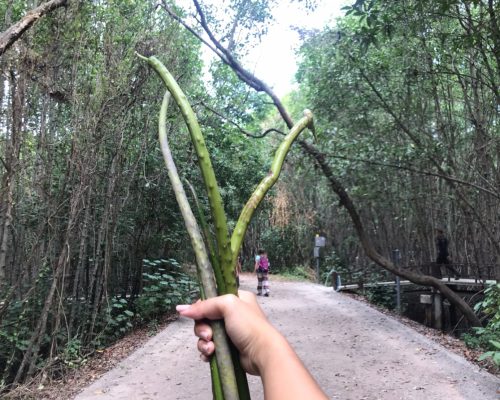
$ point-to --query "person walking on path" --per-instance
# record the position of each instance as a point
(262, 270)
(443, 257)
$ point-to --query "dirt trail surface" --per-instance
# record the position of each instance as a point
(353, 351)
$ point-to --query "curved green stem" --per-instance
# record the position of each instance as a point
(204, 268)
(214, 197)
(266, 183)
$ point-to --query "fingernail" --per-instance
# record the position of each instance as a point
(182, 307)
(204, 335)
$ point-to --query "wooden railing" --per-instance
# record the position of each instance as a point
(478, 273)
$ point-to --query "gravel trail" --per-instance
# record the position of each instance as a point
(353, 351)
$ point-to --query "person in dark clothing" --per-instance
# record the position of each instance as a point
(442, 248)
(443, 257)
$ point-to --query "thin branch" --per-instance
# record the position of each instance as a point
(191, 30)
(4, 164)
(238, 126)
(418, 171)
(228, 59)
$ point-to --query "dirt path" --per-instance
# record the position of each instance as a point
(354, 352)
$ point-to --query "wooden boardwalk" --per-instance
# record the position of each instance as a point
(448, 281)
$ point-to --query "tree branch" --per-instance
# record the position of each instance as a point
(191, 30)
(228, 59)
(4, 164)
(238, 126)
(418, 171)
(9, 36)
(370, 250)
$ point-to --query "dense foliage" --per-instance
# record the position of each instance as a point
(406, 95)
(488, 337)
(406, 102)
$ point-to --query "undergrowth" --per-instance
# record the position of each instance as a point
(487, 337)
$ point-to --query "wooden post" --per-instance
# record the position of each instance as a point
(438, 311)
(335, 280)
(426, 299)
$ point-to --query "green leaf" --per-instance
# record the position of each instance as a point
(495, 343)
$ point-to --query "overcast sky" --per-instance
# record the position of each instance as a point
(274, 61)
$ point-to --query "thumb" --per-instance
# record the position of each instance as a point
(214, 308)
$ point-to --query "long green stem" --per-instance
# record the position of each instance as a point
(266, 183)
(214, 369)
(219, 279)
(214, 197)
(224, 361)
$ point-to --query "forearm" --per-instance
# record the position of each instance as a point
(284, 377)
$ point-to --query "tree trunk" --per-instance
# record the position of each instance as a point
(9, 37)
(13, 147)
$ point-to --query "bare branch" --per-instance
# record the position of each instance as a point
(9, 37)
(238, 126)
(228, 59)
(418, 171)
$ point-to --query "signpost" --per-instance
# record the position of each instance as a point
(319, 242)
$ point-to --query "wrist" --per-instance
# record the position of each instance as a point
(283, 374)
(275, 348)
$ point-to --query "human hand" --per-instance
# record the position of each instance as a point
(263, 350)
(245, 323)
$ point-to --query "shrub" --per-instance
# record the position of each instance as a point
(382, 296)
(488, 337)
(165, 285)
